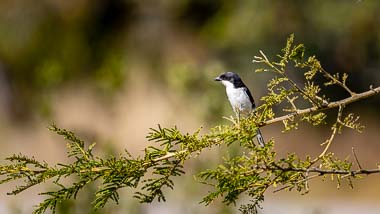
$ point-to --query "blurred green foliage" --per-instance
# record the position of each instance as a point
(45, 45)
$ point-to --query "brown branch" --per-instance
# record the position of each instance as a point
(322, 172)
(343, 102)
(319, 171)
(328, 171)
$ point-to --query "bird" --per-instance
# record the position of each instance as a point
(239, 97)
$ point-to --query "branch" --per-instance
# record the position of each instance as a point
(322, 172)
(343, 102)
(308, 178)
(169, 155)
(356, 158)
(330, 171)
(330, 140)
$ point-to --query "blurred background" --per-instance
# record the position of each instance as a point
(110, 70)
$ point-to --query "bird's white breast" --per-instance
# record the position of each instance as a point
(238, 98)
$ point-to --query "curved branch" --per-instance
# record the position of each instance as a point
(343, 102)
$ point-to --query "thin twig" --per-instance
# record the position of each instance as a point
(298, 182)
(311, 99)
(265, 57)
(307, 181)
(328, 142)
(291, 101)
(356, 158)
(341, 84)
(169, 155)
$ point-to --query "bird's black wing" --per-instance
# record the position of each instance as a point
(250, 97)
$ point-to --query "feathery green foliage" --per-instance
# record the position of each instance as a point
(252, 172)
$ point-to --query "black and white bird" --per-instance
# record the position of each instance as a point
(240, 97)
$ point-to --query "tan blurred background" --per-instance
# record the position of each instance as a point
(110, 70)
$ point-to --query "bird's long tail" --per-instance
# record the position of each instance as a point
(260, 138)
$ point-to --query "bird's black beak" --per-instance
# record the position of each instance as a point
(218, 79)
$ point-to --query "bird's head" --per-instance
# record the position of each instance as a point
(229, 79)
